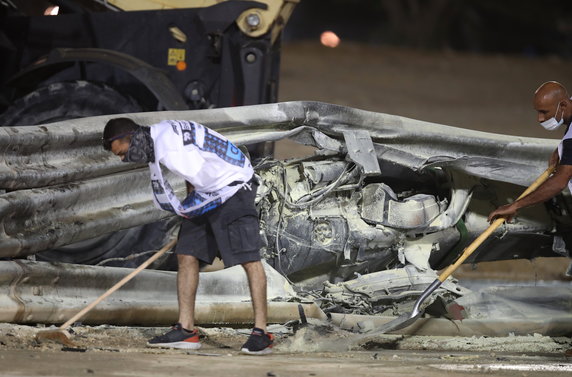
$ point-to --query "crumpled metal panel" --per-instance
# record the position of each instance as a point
(395, 284)
(360, 149)
(62, 187)
(380, 206)
(377, 292)
(49, 150)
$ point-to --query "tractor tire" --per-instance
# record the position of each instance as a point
(66, 100)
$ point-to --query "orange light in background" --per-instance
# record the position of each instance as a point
(181, 65)
(329, 39)
(52, 11)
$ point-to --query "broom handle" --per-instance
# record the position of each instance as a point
(495, 224)
(119, 284)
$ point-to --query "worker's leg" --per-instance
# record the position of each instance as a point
(196, 243)
(183, 335)
(237, 234)
(187, 284)
(259, 342)
(257, 283)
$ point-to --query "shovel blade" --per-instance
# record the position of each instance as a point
(398, 323)
(407, 319)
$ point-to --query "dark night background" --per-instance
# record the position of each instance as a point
(486, 26)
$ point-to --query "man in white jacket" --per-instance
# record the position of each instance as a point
(219, 216)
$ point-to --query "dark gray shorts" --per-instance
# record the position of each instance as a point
(230, 232)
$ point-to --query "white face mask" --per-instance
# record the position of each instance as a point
(553, 124)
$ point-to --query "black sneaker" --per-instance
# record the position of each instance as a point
(178, 337)
(258, 343)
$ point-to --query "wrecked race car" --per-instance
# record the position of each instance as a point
(360, 227)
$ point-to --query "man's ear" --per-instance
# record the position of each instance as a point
(566, 108)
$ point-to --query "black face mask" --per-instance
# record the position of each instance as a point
(140, 147)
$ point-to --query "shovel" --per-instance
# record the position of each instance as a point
(62, 335)
(408, 318)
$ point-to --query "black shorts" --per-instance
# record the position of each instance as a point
(230, 231)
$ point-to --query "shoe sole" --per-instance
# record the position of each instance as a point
(265, 351)
(177, 345)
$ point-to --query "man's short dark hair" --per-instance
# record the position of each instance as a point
(117, 128)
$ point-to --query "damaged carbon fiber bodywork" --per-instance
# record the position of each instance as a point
(383, 202)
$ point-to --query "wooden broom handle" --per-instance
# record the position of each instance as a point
(494, 225)
(119, 284)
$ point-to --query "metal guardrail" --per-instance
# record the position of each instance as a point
(40, 292)
(61, 187)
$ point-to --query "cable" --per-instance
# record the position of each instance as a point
(319, 194)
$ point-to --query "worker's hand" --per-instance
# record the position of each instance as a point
(507, 211)
(554, 158)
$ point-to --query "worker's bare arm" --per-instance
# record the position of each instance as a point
(552, 187)
(554, 158)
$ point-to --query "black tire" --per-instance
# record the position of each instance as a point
(66, 100)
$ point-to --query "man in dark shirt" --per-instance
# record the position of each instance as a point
(554, 109)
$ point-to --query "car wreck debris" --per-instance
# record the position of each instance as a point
(360, 227)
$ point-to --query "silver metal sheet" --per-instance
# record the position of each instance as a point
(61, 187)
(361, 150)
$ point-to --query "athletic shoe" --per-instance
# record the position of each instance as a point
(178, 337)
(258, 343)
